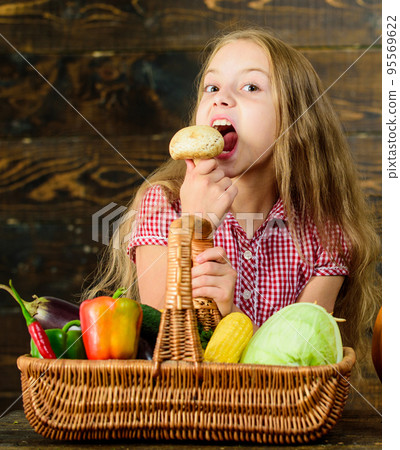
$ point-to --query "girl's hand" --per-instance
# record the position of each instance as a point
(215, 278)
(207, 191)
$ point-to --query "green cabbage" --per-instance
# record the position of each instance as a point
(302, 334)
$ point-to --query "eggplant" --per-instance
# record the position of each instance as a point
(50, 312)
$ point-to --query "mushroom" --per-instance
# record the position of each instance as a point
(196, 142)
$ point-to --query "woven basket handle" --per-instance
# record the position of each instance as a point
(178, 338)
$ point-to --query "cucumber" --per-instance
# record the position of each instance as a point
(151, 324)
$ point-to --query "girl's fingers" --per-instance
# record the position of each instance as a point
(222, 298)
(216, 254)
(208, 268)
(232, 192)
(203, 281)
(209, 168)
(215, 278)
(190, 165)
(207, 191)
(207, 291)
(224, 183)
(206, 166)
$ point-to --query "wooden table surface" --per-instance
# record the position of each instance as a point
(356, 429)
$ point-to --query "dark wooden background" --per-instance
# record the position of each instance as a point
(128, 68)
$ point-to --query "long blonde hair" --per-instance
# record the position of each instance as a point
(316, 179)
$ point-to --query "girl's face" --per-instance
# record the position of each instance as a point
(237, 99)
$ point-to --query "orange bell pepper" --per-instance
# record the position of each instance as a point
(111, 326)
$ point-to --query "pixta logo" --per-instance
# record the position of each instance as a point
(107, 221)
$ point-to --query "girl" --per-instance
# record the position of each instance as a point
(289, 215)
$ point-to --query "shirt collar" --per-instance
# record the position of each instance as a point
(277, 212)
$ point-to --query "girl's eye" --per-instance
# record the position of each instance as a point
(250, 87)
(210, 88)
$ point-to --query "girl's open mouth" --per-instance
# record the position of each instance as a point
(228, 133)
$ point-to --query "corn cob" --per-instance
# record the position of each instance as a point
(230, 338)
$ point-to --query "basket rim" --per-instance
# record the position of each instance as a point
(23, 361)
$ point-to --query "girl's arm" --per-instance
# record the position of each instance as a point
(323, 290)
(151, 266)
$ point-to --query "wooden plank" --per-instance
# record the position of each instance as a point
(367, 153)
(48, 27)
(353, 81)
(63, 178)
(152, 93)
(13, 324)
(47, 257)
(119, 95)
(355, 430)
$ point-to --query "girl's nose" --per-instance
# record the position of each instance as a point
(223, 98)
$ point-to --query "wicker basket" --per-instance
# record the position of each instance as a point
(177, 395)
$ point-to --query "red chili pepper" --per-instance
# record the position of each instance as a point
(37, 332)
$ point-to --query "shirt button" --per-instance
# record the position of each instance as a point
(247, 254)
(246, 294)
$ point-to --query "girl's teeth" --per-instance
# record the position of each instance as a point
(221, 122)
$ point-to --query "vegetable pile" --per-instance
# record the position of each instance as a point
(54, 326)
(101, 328)
(301, 334)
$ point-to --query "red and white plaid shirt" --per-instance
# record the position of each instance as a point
(271, 272)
